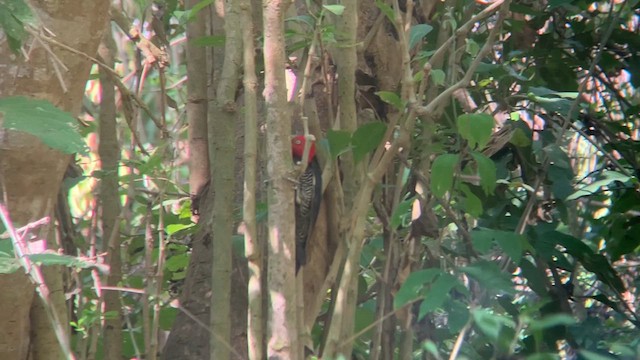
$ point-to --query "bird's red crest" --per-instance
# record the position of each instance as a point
(297, 147)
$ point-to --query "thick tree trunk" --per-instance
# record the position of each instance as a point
(30, 172)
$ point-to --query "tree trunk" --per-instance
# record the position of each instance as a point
(31, 172)
(282, 336)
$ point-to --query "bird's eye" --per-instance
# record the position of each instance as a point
(298, 142)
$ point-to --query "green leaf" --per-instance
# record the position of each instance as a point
(54, 127)
(596, 263)
(437, 294)
(458, 316)
(594, 187)
(197, 8)
(9, 265)
(471, 203)
(14, 15)
(411, 288)
(550, 321)
(167, 317)
(437, 76)
(339, 142)
(589, 355)
(367, 138)
(305, 19)
(557, 3)
(391, 98)
(472, 47)
(418, 32)
(487, 171)
(510, 242)
(476, 129)
(442, 171)
(209, 40)
(490, 277)
(174, 228)
(489, 323)
(335, 9)
(386, 10)
(177, 262)
(401, 212)
(6, 246)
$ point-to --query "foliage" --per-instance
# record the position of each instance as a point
(508, 222)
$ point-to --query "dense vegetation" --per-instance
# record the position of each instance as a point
(482, 195)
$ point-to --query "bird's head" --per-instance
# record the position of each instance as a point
(297, 147)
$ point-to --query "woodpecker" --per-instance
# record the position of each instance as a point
(308, 195)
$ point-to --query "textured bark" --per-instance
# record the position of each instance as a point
(252, 243)
(188, 338)
(282, 333)
(30, 172)
(223, 111)
(197, 102)
(109, 197)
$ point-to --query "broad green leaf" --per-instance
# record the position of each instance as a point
(589, 355)
(167, 317)
(557, 3)
(489, 323)
(14, 16)
(442, 171)
(594, 187)
(54, 127)
(558, 156)
(476, 129)
(418, 32)
(339, 142)
(437, 76)
(6, 246)
(177, 262)
(411, 288)
(401, 212)
(437, 294)
(550, 321)
(367, 138)
(471, 203)
(490, 277)
(391, 98)
(335, 9)
(364, 317)
(209, 40)
(487, 171)
(472, 47)
(596, 263)
(9, 265)
(482, 240)
(198, 7)
(510, 242)
(458, 316)
(386, 10)
(556, 104)
(305, 19)
(174, 228)
(543, 356)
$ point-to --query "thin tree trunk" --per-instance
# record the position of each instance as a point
(197, 101)
(281, 330)
(222, 138)
(252, 244)
(342, 327)
(109, 197)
